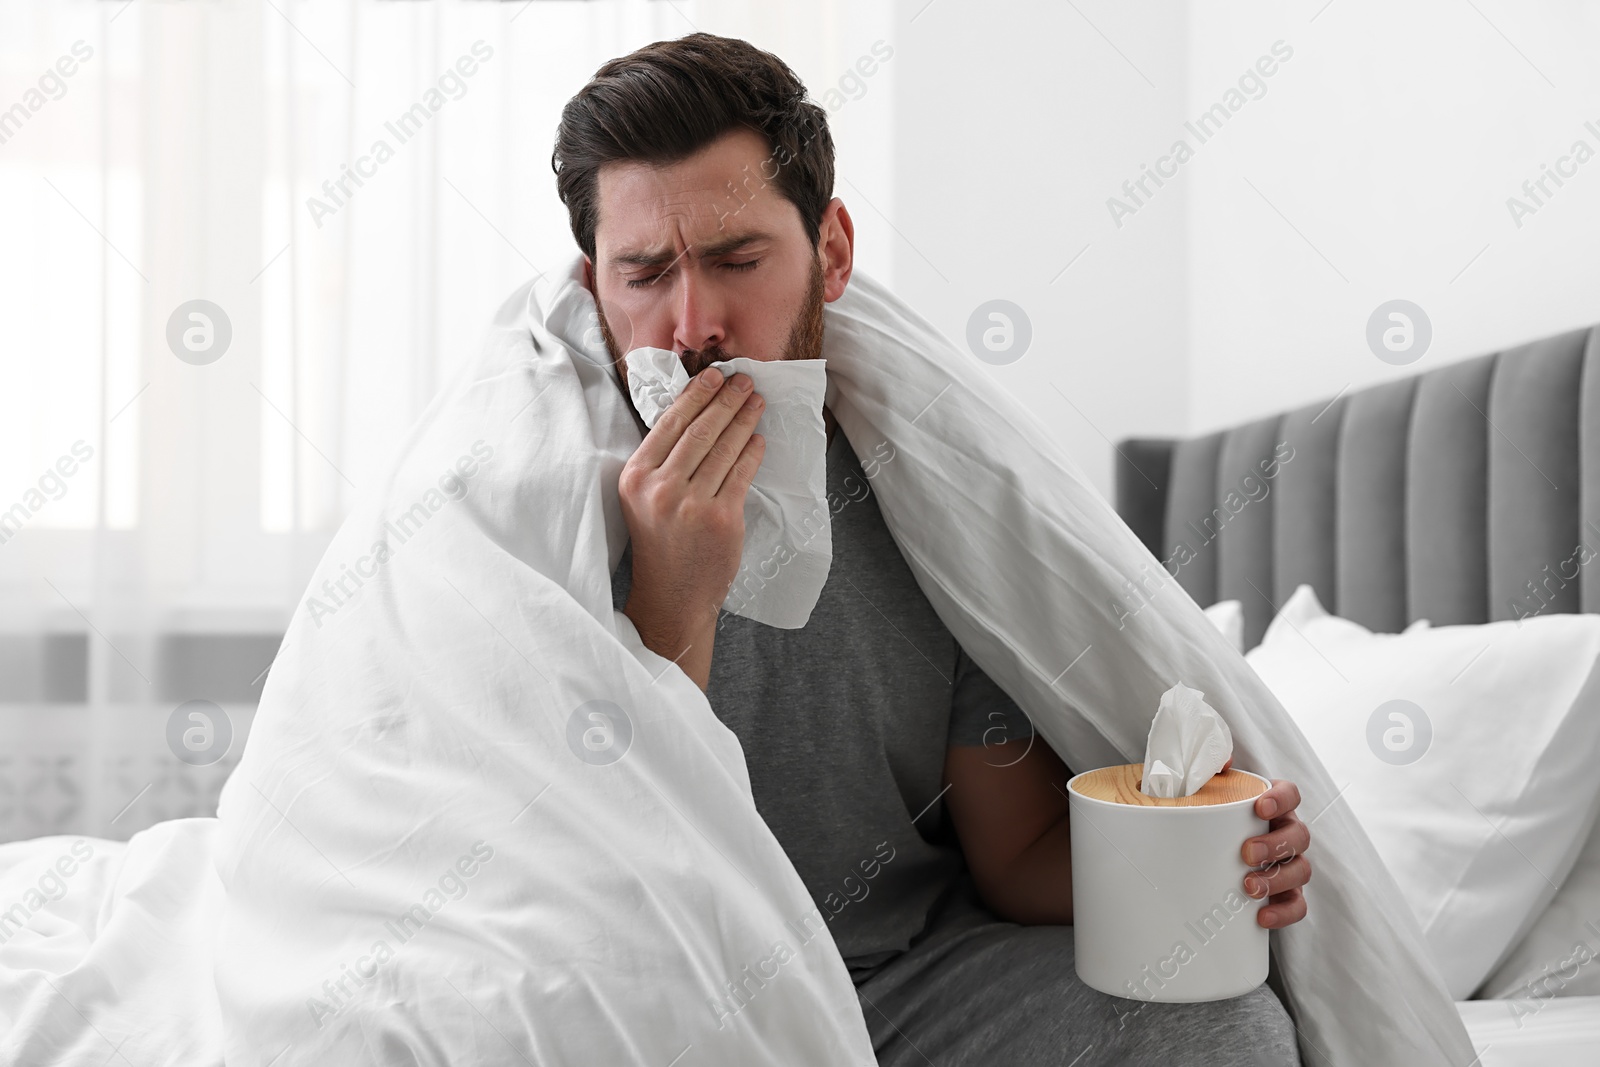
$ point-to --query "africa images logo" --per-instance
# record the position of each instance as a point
(599, 732)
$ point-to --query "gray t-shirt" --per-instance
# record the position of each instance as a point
(845, 722)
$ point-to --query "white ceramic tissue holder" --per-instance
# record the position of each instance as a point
(1158, 901)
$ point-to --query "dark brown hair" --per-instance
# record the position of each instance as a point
(668, 100)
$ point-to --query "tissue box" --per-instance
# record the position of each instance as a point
(1159, 909)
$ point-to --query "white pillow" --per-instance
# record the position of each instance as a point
(1480, 791)
(1560, 956)
(1228, 617)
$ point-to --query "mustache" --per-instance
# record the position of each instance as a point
(695, 361)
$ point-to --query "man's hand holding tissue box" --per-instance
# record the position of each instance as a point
(1010, 808)
(1280, 852)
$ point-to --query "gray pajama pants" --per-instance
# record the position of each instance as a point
(977, 990)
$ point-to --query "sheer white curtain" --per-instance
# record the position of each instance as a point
(351, 188)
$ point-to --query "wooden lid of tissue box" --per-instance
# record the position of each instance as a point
(1120, 785)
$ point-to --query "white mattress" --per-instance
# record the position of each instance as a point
(1554, 1032)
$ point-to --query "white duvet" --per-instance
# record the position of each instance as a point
(477, 821)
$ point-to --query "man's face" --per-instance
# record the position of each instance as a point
(704, 258)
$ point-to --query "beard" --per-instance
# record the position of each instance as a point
(804, 340)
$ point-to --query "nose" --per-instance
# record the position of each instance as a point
(701, 321)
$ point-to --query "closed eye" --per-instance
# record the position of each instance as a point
(639, 283)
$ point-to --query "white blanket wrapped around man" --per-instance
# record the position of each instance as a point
(478, 821)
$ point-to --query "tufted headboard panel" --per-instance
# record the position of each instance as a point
(1466, 494)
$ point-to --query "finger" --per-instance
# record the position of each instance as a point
(1283, 796)
(1280, 879)
(1283, 910)
(701, 435)
(1225, 766)
(709, 476)
(737, 483)
(1282, 843)
(659, 442)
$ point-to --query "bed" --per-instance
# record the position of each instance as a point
(1445, 495)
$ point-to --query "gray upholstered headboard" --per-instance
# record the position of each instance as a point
(1466, 494)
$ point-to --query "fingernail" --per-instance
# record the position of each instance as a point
(742, 382)
(1252, 886)
(1255, 853)
(712, 375)
(1269, 808)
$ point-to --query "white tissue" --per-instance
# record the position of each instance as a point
(788, 532)
(1188, 743)
(655, 378)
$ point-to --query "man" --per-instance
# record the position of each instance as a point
(928, 822)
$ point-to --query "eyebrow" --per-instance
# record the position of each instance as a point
(721, 247)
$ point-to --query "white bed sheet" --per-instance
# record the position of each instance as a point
(1554, 1032)
(93, 932)
(115, 966)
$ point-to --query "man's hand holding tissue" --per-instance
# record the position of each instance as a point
(1009, 806)
(682, 494)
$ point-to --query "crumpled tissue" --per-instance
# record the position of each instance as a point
(1188, 743)
(788, 532)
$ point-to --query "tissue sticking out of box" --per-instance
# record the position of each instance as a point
(1188, 743)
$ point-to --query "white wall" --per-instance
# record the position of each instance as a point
(1373, 164)
(1391, 140)
(1013, 124)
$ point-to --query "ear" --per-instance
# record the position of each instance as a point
(588, 274)
(836, 244)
